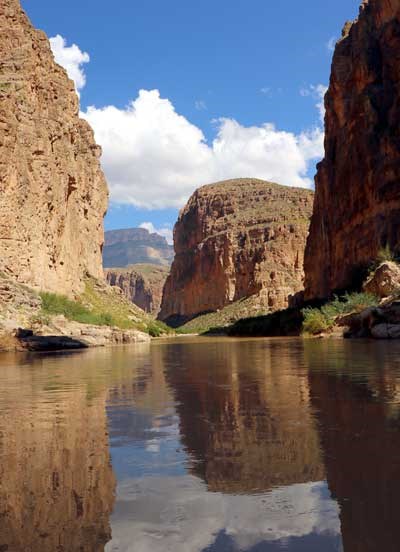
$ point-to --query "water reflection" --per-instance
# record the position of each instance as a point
(215, 446)
(240, 460)
(56, 481)
(355, 391)
(244, 415)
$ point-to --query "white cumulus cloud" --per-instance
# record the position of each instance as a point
(317, 91)
(71, 58)
(155, 158)
(165, 231)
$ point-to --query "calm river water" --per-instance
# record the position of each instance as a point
(202, 445)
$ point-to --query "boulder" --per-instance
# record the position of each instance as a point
(384, 281)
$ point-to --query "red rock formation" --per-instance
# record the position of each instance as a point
(142, 283)
(357, 200)
(53, 194)
(235, 239)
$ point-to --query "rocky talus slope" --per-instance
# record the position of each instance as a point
(109, 318)
(142, 284)
(135, 246)
(357, 199)
(233, 240)
(53, 194)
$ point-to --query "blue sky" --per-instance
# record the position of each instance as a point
(223, 69)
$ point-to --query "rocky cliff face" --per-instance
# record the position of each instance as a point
(142, 283)
(235, 239)
(357, 200)
(53, 194)
(135, 245)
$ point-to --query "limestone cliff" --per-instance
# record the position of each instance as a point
(135, 245)
(53, 194)
(357, 200)
(235, 239)
(142, 283)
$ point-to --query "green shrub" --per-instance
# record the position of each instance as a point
(357, 302)
(156, 328)
(316, 322)
(320, 320)
(54, 304)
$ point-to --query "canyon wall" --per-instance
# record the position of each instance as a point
(142, 283)
(53, 194)
(135, 245)
(357, 199)
(235, 239)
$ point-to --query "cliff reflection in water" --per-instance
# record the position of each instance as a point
(222, 454)
(245, 414)
(216, 445)
(56, 481)
(355, 389)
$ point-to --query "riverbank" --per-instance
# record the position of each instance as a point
(100, 316)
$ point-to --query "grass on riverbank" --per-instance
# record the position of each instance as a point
(320, 320)
(101, 305)
(54, 304)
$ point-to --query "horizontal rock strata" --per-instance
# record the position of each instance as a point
(135, 245)
(235, 239)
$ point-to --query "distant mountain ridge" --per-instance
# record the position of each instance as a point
(135, 246)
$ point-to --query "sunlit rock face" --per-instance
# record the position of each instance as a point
(56, 480)
(53, 194)
(357, 199)
(142, 284)
(249, 428)
(235, 239)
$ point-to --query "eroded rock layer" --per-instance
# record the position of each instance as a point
(357, 200)
(235, 239)
(53, 194)
(142, 283)
(135, 245)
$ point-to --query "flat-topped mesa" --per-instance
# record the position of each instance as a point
(235, 239)
(53, 195)
(135, 245)
(357, 199)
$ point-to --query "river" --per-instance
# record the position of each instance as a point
(202, 445)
